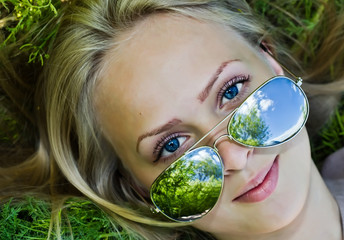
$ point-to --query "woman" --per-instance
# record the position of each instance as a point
(132, 85)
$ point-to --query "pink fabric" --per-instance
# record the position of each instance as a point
(334, 165)
(333, 174)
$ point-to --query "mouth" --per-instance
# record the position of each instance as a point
(261, 186)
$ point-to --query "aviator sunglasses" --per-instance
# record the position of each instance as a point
(271, 115)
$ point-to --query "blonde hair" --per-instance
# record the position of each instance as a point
(70, 143)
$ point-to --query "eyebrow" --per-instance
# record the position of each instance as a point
(158, 130)
(205, 93)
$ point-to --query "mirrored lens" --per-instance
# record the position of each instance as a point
(189, 187)
(271, 115)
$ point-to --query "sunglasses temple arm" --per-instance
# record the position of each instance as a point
(207, 134)
(265, 49)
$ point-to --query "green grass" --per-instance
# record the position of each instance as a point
(30, 219)
(331, 136)
(19, 17)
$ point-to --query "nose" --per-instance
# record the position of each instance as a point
(234, 155)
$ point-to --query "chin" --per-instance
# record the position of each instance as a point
(265, 217)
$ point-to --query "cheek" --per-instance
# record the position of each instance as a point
(143, 171)
(144, 175)
(295, 176)
(295, 164)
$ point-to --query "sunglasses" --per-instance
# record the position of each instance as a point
(191, 186)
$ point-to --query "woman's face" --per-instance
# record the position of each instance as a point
(170, 81)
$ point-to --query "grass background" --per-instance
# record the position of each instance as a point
(294, 20)
(81, 219)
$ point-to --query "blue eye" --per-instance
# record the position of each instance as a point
(232, 91)
(172, 145)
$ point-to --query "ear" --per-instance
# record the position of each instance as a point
(270, 59)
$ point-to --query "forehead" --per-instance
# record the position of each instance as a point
(165, 44)
(164, 61)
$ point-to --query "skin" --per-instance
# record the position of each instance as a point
(157, 77)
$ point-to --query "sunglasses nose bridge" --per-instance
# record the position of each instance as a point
(219, 139)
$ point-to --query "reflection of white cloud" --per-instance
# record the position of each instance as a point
(206, 154)
(303, 107)
(260, 94)
(258, 101)
(203, 153)
(199, 156)
(264, 104)
(248, 105)
(298, 90)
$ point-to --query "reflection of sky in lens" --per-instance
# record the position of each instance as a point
(290, 131)
(280, 104)
(209, 158)
(204, 153)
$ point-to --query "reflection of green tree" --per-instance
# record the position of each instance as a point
(304, 110)
(249, 128)
(188, 188)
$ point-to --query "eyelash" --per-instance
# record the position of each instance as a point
(158, 149)
(230, 83)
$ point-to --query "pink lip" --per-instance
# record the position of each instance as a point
(262, 186)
